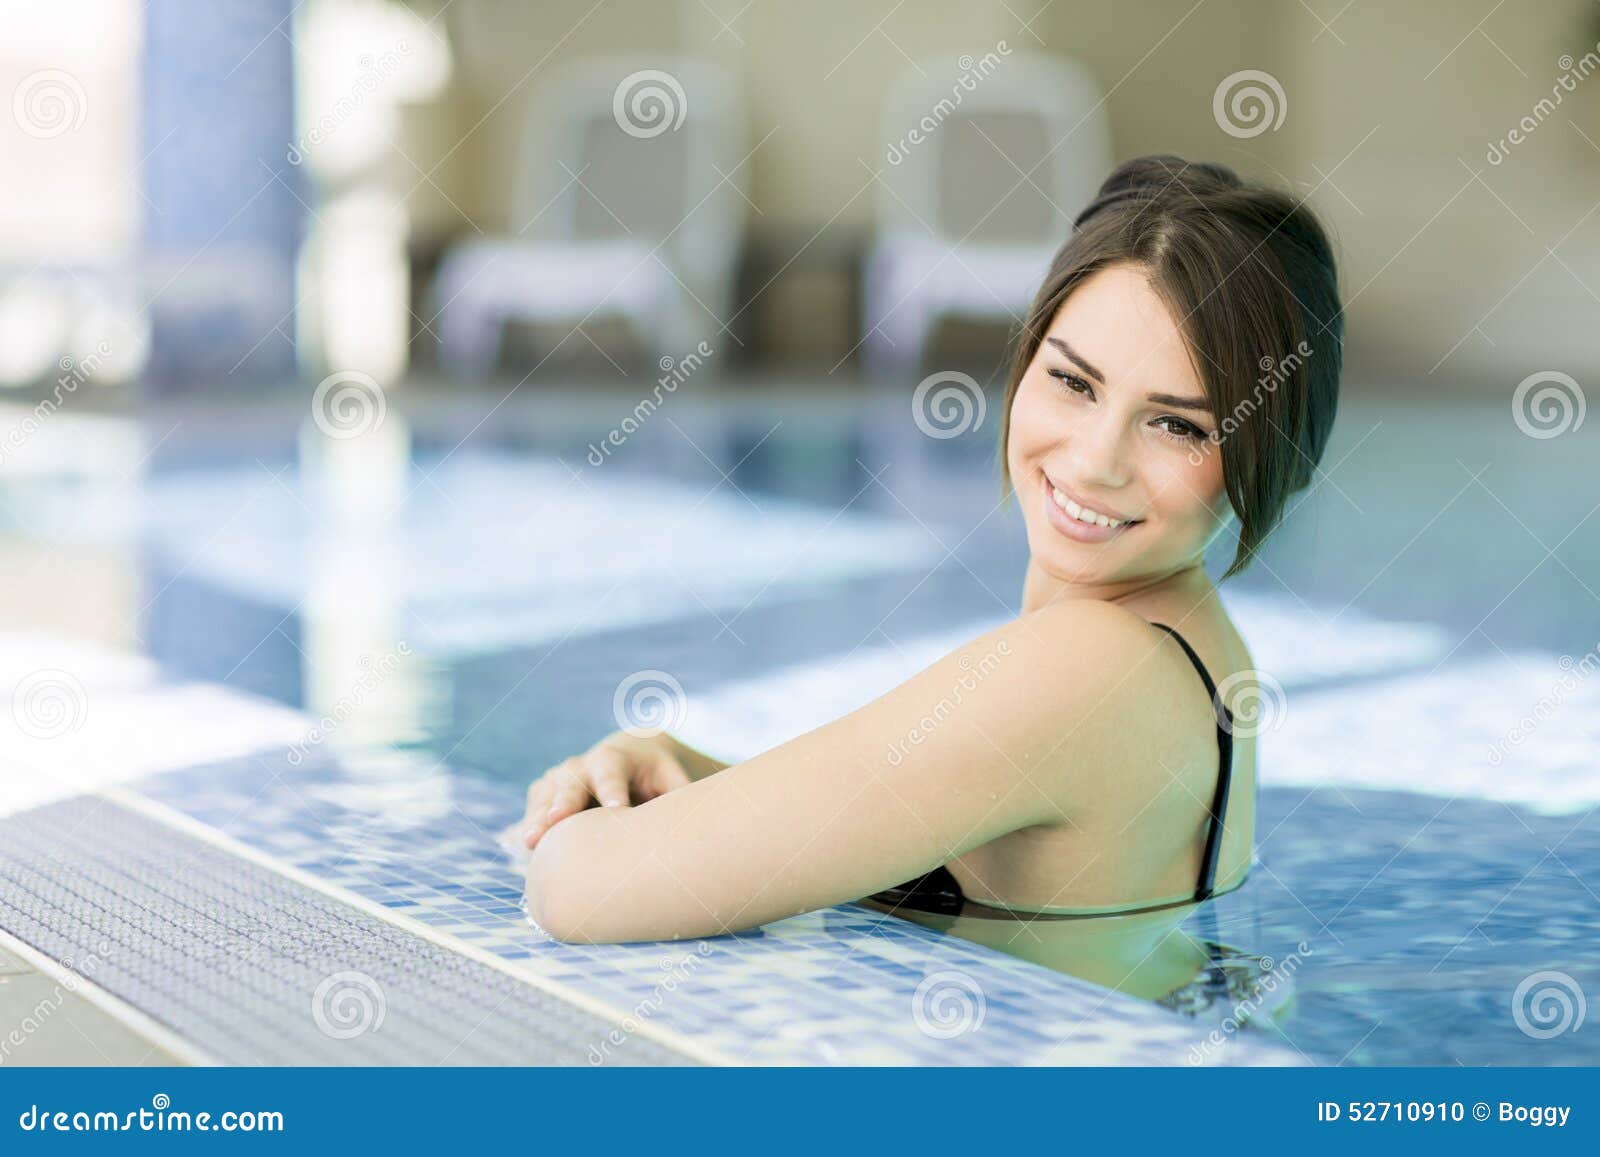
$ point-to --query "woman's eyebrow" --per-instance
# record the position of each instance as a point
(1181, 403)
(1077, 357)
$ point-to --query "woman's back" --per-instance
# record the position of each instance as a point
(1058, 894)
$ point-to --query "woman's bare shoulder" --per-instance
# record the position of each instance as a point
(1106, 635)
(1123, 679)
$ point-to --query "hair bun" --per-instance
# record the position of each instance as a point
(1156, 175)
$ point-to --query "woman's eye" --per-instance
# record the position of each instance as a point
(1072, 381)
(1178, 428)
(1169, 424)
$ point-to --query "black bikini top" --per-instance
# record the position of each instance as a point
(938, 891)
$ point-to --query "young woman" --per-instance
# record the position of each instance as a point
(1068, 786)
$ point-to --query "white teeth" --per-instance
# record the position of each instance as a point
(1081, 513)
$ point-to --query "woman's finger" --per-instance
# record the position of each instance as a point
(538, 797)
(539, 791)
(666, 775)
(569, 795)
(533, 831)
(533, 815)
(607, 772)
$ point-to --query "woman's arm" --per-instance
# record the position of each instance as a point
(1025, 725)
(619, 770)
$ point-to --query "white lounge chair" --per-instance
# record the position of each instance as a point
(978, 187)
(627, 203)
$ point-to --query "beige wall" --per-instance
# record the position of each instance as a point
(1433, 252)
(819, 73)
(1433, 261)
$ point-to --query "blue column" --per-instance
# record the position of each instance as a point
(222, 221)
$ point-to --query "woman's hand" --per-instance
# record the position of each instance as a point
(619, 771)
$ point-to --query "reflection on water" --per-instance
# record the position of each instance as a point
(354, 645)
(1147, 955)
(1233, 989)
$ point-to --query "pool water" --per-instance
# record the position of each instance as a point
(1427, 897)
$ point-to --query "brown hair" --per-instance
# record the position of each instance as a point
(1250, 273)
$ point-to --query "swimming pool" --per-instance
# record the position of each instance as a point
(1427, 901)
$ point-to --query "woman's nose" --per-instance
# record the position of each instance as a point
(1098, 452)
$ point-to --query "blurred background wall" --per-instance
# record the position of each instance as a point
(1391, 111)
(1469, 259)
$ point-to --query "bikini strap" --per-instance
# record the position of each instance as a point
(1219, 805)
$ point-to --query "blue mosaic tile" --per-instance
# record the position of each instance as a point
(832, 987)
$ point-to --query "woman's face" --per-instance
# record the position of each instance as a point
(1111, 419)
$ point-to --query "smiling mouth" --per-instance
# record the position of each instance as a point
(1084, 514)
